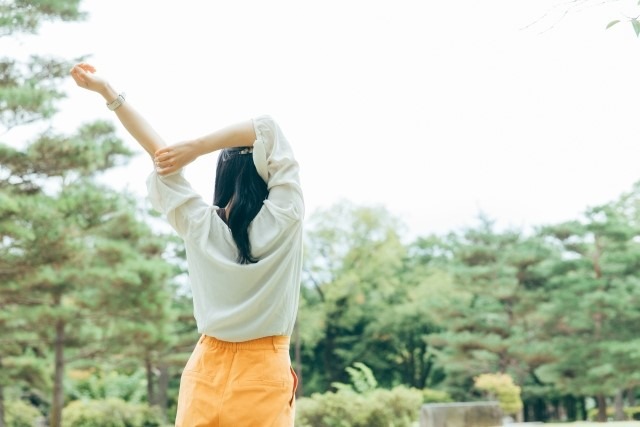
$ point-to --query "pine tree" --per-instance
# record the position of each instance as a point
(592, 303)
(80, 275)
(490, 322)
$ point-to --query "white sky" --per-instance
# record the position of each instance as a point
(436, 109)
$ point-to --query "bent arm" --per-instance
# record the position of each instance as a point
(237, 135)
(134, 123)
(172, 158)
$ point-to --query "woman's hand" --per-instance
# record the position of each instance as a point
(174, 157)
(85, 77)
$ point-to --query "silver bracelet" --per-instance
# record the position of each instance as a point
(116, 103)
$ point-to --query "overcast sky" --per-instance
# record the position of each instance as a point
(435, 109)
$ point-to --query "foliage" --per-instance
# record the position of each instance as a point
(82, 279)
(21, 414)
(496, 280)
(435, 396)
(384, 408)
(363, 300)
(632, 413)
(635, 24)
(502, 388)
(85, 385)
(362, 379)
(360, 404)
(26, 16)
(111, 412)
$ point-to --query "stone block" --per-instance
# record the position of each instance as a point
(462, 414)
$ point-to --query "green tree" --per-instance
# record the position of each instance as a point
(28, 92)
(365, 300)
(81, 274)
(593, 300)
(353, 255)
(489, 324)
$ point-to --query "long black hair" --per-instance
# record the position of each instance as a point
(239, 186)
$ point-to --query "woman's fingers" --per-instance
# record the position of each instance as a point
(163, 156)
(79, 79)
(164, 169)
(164, 152)
(165, 162)
(87, 67)
(80, 76)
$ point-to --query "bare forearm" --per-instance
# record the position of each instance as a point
(134, 123)
(176, 156)
(238, 135)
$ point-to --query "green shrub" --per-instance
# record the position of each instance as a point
(632, 413)
(89, 385)
(110, 413)
(360, 404)
(435, 396)
(19, 413)
(398, 407)
(502, 388)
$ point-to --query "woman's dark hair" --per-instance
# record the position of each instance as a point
(239, 185)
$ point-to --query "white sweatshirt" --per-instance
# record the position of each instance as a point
(239, 302)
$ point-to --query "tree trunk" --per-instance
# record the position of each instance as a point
(163, 387)
(2, 424)
(555, 403)
(584, 414)
(602, 408)
(526, 411)
(570, 408)
(58, 375)
(148, 366)
(619, 407)
(540, 410)
(298, 358)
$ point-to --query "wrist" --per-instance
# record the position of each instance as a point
(108, 93)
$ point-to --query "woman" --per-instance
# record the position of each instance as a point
(244, 256)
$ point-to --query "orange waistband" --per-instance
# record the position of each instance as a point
(274, 342)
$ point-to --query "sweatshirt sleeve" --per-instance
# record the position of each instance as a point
(174, 197)
(285, 191)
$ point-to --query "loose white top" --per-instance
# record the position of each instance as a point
(239, 302)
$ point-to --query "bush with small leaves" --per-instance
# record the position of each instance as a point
(502, 388)
(110, 413)
(430, 395)
(19, 413)
(360, 404)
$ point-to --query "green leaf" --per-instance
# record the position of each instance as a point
(636, 26)
(612, 23)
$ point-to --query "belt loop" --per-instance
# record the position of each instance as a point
(235, 347)
(273, 342)
(201, 339)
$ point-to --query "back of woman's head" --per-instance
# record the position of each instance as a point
(239, 186)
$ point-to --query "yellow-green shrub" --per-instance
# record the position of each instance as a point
(398, 407)
(19, 413)
(502, 388)
(110, 413)
(430, 395)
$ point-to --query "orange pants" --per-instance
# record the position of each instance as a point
(226, 384)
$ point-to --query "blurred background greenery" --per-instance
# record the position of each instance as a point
(96, 322)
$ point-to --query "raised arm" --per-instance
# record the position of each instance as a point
(172, 158)
(85, 77)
